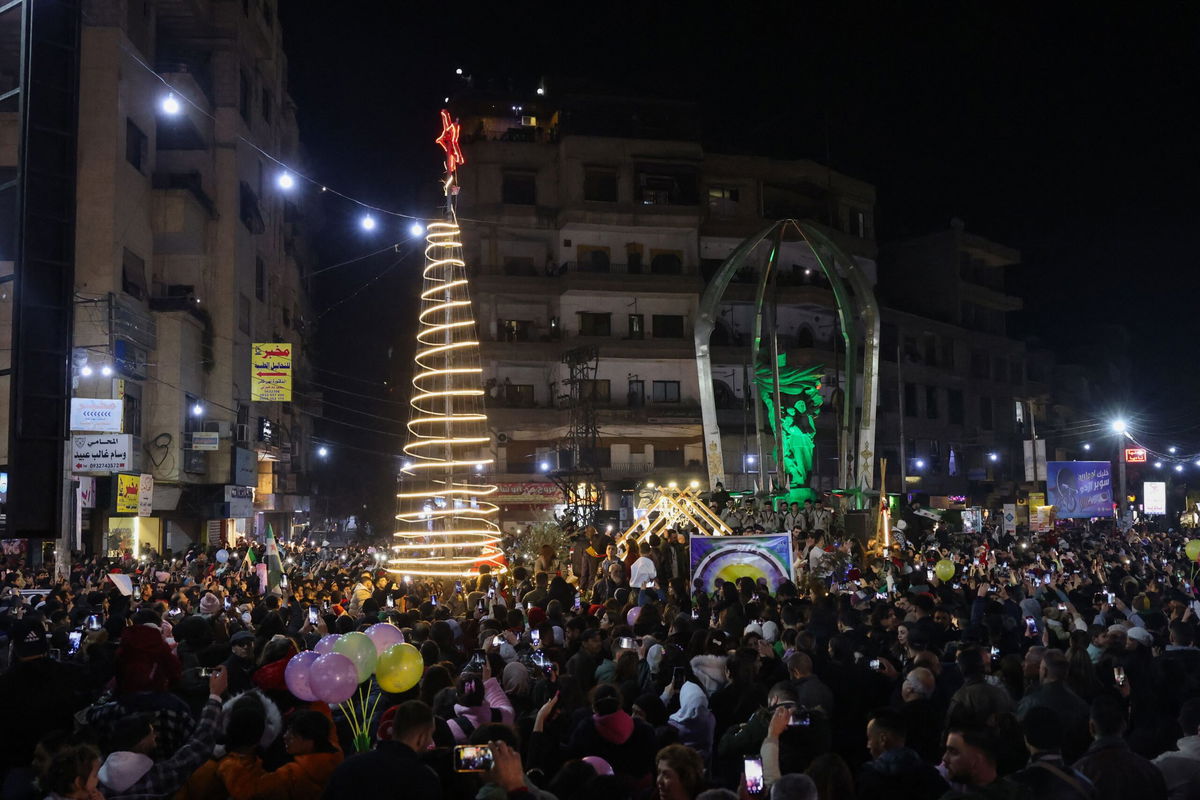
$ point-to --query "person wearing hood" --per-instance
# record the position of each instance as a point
(694, 721)
(610, 733)
(1181, 768)
(895, 770)
(481, 700)
(130, 771)
(306, 738)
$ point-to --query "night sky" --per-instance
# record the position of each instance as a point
(1069, 133)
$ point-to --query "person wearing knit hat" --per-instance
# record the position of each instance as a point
(210, 605)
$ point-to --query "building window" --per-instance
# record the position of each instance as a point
(999, 370)
(910, 399)
(132, 414)
(664, 186)
(248, 209)
(929, 343)
(985, 413)
(519, 189)
(954, 406)
(723, 200)
(600, 185)
(979, 364)
(889, 399)
(244, 314)
(260, 278)
(931, 402)
(637, 393)
(266, 102)
(515, 330)
(668, 458)
(593, 258)
(667, 326)
(595, 324)
(596, 391)
(856, 222)
(889, 341)
(517, 395)
(244, 95)
(136, 146)
(637, 326)
(519, 265)
(668, 262)
(133, 275)
(666, 391)
(1014, 372)
(947, 353)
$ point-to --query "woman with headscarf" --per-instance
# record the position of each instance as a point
(694, 721)
(516, 682)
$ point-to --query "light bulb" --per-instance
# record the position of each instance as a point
(197, 410)
(322, 451)
(541, 90)
(544, 466)
(367, 222)
(1119, 426)
(285, 180)
(458, 71)
(416, 229)
(85, 370)
(170, 105)
(1087, 446)
(1172, 449)
(106, 371)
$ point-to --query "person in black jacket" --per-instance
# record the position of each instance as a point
(895, 770)
(394, 768)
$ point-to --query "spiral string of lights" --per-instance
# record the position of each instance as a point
(446, 527)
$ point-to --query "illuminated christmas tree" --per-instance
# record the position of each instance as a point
(446, 525)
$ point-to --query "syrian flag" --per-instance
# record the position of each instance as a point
(274, 564)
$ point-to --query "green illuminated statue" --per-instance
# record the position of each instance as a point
(800, 398)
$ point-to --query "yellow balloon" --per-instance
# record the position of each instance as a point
(399, 668)
(1192, 549)
(944, 569)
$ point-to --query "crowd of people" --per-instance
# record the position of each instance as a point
(1056, 665)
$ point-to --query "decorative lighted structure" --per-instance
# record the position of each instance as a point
(677, 508)
(446, 525)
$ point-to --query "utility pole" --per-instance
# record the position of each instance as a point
(900, 407)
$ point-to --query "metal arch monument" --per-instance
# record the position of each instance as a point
(794, 426)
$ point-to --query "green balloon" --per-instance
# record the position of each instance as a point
(400, 668)
(359, 648)
(944, 569)
(1192, 549)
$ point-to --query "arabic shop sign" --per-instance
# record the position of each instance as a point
(127, 493)
(271, 372)
(96, 414)
(100, 453)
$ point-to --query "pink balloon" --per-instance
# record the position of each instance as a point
(384, 635)
(325, 645)
(333, 678)
(601, 766)
(296, 675)
(632, 616)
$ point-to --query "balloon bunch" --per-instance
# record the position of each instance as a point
(333, 672)
(1192, 551)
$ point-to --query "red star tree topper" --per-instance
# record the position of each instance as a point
(449, 142)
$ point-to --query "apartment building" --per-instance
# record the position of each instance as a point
(188, 250)
(599, 225)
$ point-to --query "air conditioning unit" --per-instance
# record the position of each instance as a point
(502, 438)
(243, 434)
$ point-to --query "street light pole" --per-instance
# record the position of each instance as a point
(1119, 427)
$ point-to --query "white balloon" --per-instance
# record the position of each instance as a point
(222, 555)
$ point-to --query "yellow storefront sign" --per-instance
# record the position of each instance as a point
(127, 493)
(271, 372)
